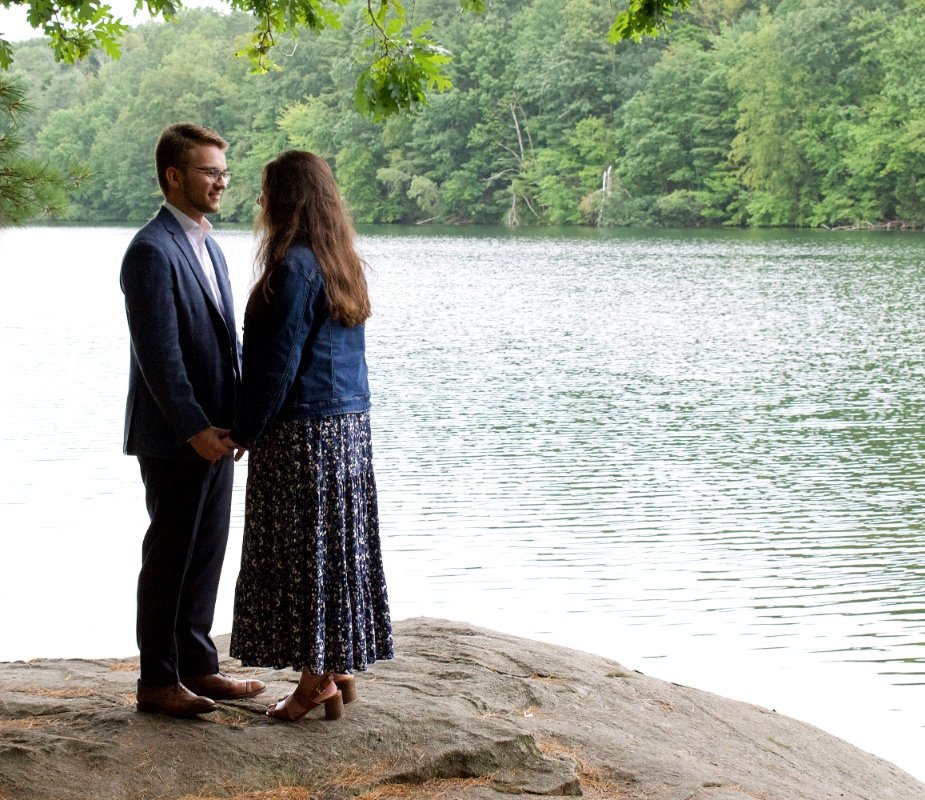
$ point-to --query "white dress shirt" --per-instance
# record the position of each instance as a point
(197, 233)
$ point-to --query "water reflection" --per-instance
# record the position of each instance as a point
(715, 437)
(697, 453)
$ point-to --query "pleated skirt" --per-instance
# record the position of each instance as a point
(311, 591)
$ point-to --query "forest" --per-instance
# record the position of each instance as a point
(798, 113)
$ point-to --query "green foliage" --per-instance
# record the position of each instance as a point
(885, 150)
(275, 18)
(644, 18)
(27, 187)
(6, 54)
(807, 80)
(398, 64)
(74, 30)
(675, 138)
(406, 64)
(746, 113)
(402, 77)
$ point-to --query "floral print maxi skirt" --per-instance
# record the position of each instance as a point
(311, 591)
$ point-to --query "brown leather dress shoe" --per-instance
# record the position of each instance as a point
(175, 701)
(223, 687)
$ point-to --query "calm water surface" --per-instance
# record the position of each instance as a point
(697, 453)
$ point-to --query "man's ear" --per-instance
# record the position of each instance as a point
(173, 176)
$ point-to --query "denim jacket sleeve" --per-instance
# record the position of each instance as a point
(275, 333)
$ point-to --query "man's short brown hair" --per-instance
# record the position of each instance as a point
(176, 141)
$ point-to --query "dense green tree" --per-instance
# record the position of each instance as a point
(48, 84)
(790, 113)
(803, 83)
(565, 76)
(674, 140)
(404, 62)
(110, 135)
(27, 187)
(885, 150)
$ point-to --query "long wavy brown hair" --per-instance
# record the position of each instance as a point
(301, 204)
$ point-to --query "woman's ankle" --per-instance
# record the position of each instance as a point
(317, 687)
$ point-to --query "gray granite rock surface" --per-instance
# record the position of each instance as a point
(462, 713)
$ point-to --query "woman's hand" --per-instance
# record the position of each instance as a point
(239, 450)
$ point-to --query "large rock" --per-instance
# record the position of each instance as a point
(462, 713)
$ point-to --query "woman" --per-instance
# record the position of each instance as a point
(311, 592)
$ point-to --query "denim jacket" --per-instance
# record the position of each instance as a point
(298, 362)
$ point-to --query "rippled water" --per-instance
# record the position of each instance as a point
(698, 453)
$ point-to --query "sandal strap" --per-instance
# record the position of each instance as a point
(303, 699)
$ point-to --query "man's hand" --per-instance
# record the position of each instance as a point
(212, 444)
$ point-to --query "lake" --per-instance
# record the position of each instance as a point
(699, 453)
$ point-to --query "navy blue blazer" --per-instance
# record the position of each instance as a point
(185, 355)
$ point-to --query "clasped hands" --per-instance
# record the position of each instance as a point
(213, 444)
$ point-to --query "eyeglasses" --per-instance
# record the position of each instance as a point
(214, 173)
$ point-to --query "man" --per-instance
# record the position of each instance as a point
(183, 375)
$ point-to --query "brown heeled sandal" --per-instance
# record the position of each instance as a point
(333, 705)
(347, 686)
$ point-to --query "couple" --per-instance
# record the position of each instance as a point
(311, 591)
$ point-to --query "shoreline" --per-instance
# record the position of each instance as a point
(461, 710)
